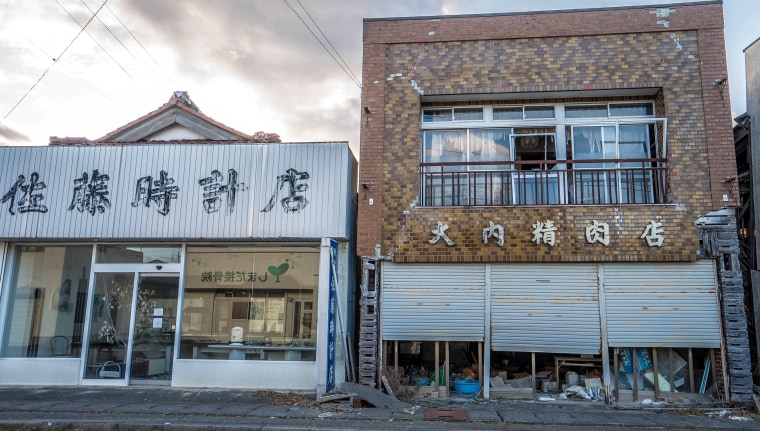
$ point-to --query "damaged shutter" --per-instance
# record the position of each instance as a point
(661, 305)
(427, 302)
(551, 308)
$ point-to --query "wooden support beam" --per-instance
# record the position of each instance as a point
(533, 373)
(395, 356)
(448, 366)
(480, 366)
(656, 375)
(437, 363)
(692, 386)
(635, 363)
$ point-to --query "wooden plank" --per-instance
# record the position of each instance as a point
(388, 384)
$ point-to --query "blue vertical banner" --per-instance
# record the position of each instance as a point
(331, 312)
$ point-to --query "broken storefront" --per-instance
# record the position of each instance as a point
(615, 331)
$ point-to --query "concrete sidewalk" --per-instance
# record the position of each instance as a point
(159, 407)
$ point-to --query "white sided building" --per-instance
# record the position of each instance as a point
(177, 251)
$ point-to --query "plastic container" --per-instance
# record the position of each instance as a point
(441, 377)
(422, 381)
(571, 378)
(466, 386)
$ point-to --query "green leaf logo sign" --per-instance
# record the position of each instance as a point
(277, 271)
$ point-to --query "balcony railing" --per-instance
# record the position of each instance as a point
(544, 182)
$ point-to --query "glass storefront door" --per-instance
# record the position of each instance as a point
(132, 326)
(154, 328)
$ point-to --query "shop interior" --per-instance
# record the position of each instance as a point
(443, 369)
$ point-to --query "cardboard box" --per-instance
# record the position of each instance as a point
(420, 391)
(427, 391)
(548, 386)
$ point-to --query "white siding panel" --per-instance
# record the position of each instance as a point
(330, 191)
(327, 168)
(15, 164)
(552, 308)
(662, 305)
(428, 302)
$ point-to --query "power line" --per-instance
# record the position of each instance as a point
(109, 30)
(141, 45)
(119, 40)
(328, 41)
(95, 40)
(67, 70)
(345, 70)
(54, 61)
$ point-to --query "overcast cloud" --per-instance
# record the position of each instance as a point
(250, 64)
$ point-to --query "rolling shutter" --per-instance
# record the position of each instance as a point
(662, 305)
(427, 302)
(545, 308)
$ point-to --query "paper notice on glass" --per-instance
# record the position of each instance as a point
(158, 311)
(158, 322)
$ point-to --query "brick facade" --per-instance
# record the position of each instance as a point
(677, 50)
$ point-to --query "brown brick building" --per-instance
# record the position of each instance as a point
(533, 182)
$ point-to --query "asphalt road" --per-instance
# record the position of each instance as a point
(162, 408)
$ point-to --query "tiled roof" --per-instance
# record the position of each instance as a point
(179, 100)
(86, 142)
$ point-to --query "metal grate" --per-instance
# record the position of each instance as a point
(445, 415)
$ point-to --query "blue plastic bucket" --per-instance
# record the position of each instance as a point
(466, 387)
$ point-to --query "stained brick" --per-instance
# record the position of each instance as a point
(492, 55)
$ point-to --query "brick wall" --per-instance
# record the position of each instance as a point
(612, 49)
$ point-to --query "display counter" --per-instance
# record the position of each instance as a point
(237, 351)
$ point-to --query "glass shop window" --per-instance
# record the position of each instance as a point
(250, 303)
(46, 302)
(121, 253)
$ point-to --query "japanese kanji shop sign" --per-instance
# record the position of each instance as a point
(176, 191)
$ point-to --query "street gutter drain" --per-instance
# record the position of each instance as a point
(445, 415)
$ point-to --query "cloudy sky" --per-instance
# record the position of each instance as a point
(251, 64)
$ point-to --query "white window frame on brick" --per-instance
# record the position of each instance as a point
(470, 179)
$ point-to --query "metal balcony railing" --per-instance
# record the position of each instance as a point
(544, 182)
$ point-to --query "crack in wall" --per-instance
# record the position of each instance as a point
(413, 83)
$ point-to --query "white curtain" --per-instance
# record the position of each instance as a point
(448, 146)
(484, 143)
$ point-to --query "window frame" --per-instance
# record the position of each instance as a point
(656, 129)
(452, 114)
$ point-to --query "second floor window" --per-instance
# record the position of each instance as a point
(587, 154)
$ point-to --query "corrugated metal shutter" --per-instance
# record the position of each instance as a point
(662, 305)
(427, 302)
(328, 191)
(552, 308)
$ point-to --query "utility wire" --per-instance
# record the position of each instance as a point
(119, 40)
(96, 41)
(141, 45)
(347, 72)
(109, 30)
(329, 43)
(54, 61)
(69, 71)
